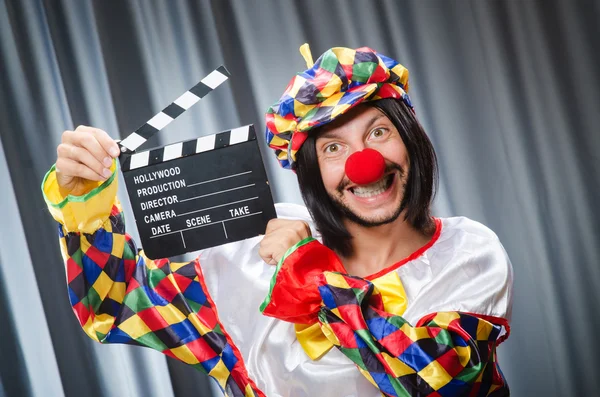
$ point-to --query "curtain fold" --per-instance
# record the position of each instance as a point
(508, 91)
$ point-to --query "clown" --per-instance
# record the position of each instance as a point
(362, 293)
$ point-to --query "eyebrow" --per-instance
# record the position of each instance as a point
(372, 120)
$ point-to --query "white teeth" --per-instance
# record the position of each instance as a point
(371, 190)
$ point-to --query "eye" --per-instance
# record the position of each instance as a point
(378, 133)
(333, 148)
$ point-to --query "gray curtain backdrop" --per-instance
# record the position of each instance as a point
(507, 90)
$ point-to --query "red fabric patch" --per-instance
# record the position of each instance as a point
(348, 70)
(322, 77)
(378, 75)
(386, 91)
(450, 362)
(114, 211)
(182, 282)
(207, 315)
(295, 297)
(298, 139)
(132, 285)
(352, 315)
(152, 318)
(201, 350)
(396, 342)
(166, 289)
(81, 312)
(129, 265)
(345, 335)
(433, 331)
(100, 258)
(73, 270)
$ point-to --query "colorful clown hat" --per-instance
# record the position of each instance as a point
(340, 79)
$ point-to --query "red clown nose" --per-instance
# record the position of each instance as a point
(365, 167)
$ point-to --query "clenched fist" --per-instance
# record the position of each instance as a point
(281, 235)
(84, 155)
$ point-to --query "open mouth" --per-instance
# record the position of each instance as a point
(374, 189)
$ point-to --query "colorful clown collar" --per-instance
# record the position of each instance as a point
(340, 79)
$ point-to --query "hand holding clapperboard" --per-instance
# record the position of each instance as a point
(200, 193)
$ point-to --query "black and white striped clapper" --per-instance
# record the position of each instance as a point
(200, 193)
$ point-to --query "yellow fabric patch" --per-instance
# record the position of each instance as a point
(248, 392)
(170, 314)
(398, 367)
(336, 280)
(85, 213)
(117, 291)
(102, 285)
(301, 109)
(220, 373)
(184, 354)
(435, 375)
(333, 85)
(118, 244)
(344, 55)
(392, 293)
(296, 85)
(134, 327)
(313, 340)
(103, 323)
(332, 100)
(484, 329)
(282, 124)
(402, 72)
(415, 333)
(88, 328)
(464, 354)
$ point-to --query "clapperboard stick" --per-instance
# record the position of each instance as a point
(171, 112)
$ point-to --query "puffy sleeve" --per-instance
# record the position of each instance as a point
(448, 352)
(120, 296)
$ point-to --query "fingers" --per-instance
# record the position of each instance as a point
(85, 157)
(69, 167)
(93, 148)
(281, 235)
(105, 141)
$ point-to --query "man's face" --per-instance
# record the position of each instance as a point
(363, 127)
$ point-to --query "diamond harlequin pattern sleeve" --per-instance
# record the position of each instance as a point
(120, 296)
(446, 354)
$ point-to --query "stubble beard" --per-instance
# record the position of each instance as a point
(352, 216)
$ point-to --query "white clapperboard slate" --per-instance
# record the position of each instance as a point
(200, 193)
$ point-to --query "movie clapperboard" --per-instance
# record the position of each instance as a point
(200, 193)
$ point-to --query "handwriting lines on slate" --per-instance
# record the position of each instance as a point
(222, 222)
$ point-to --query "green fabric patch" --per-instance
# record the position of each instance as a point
(94, 299)
(151, 340)
(155, 276)
(329, 61)
(354, 355)
(362, 71)
(137, 300)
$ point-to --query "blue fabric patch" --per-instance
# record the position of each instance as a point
(415, 357)
(103, 241)
(185, 328)
(229, 359)
(194, 293)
